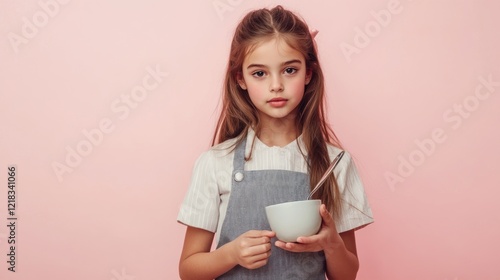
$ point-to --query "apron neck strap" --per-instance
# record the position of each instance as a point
(239, 155)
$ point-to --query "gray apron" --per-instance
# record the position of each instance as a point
(251, 192)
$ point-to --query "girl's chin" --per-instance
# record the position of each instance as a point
(278, 117)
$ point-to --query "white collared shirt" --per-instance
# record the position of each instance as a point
(206, 201)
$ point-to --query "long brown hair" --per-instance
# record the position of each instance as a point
(239, 114)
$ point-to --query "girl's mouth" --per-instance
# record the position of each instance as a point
(277, 102)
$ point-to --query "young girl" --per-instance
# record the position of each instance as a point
(271, 144)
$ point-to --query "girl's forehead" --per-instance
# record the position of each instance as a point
(271, 50)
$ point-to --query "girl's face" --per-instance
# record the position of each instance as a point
(275, 77)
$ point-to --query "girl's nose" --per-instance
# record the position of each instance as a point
(276, 84)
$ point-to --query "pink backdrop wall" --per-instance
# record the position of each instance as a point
(105, 106)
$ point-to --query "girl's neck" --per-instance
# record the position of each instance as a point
(278, 132)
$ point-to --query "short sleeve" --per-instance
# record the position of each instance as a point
(356, 212)
(200, 207)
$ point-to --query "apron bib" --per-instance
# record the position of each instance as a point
(251, 192)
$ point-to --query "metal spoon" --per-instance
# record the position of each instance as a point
(327, 173)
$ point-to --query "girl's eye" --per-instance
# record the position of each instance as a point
(258, 74)
(290, 70)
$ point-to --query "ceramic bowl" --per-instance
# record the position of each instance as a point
(293, 219)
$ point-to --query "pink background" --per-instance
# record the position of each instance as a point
(396, 86)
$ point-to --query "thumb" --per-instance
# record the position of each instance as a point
(268, 233)
(325, 215)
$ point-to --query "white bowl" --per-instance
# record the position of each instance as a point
(293, 219)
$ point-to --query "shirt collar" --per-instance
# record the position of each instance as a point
(259, 145)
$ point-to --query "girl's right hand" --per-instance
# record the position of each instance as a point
(252, 249)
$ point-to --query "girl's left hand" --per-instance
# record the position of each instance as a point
(327, 237)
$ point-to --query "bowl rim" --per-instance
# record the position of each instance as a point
(314, 201)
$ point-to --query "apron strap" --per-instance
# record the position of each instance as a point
(239, 156)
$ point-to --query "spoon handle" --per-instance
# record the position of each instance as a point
(327, 173)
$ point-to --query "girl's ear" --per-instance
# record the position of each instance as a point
(241, 81)
(308, 76)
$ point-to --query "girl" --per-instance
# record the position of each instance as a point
(272, 142)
